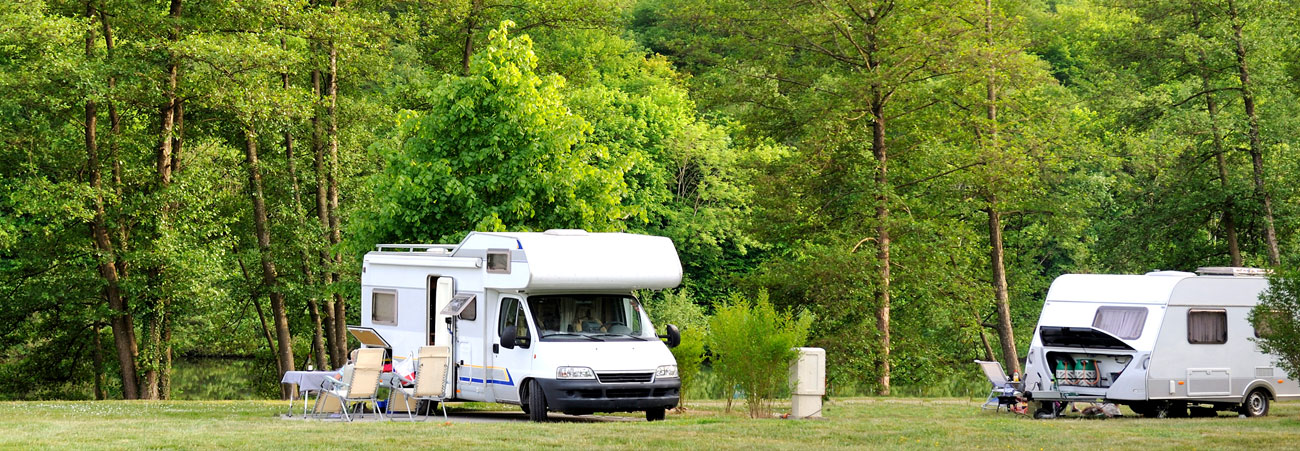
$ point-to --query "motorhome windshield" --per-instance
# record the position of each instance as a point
(587, 317)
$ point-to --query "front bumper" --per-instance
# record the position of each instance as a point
(584, 396)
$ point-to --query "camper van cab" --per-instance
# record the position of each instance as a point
(547, 321)
(1160, 343)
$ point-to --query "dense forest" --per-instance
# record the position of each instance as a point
(200, 178)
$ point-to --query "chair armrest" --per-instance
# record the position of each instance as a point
(336, 382)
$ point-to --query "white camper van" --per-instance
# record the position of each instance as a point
(1160, 343)
(546, 321)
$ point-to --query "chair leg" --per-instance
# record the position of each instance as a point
(407, 400)
(343, 405)
(443, 405)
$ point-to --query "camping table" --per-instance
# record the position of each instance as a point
(307, 382)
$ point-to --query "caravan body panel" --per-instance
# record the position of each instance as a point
(1163, 359)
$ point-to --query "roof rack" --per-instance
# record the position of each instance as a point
(438, 249)
(1235, 271)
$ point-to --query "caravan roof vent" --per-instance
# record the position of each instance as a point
(566, 232)
(1235, 271)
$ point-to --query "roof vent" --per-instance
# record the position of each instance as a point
(1235, 271)
(566, 232)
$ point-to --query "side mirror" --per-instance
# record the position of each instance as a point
(508, 337)
(674, 337)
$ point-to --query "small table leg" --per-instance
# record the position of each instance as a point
(293, 395)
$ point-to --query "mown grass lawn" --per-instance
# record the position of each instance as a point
(858, 423)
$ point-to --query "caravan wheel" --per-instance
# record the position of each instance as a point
(1256, 404)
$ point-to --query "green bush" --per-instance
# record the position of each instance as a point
(1277, 317)
(752, 345)
(677, 308)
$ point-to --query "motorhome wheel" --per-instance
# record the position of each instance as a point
(1256, 404)
(655, 414)
(536, 402)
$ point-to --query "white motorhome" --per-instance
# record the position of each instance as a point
(1160, 343)
(547, 321)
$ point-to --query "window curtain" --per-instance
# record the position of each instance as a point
(1124, 322)
(1207, 327)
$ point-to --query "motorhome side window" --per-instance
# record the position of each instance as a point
(1207, 326)
(512, 314)
(498, 261)
(383, 307)
(1123, 322)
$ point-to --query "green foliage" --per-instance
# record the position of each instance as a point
(752, 346)
(1277, 318)
(680, 309)
(497, 150)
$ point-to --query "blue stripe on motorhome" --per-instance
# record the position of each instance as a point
(491, 381)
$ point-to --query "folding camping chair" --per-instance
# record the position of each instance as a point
(430, 378)
(1004, 391)
(361, 384)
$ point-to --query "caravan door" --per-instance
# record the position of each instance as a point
(467, 371)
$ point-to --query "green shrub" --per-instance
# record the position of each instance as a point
(677, 308)
(1277, 318)
(752, 346)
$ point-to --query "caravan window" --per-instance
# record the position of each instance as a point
(383, 307)
(1207, 326)
(1123, 322)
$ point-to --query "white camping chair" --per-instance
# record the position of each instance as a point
(430, 378)
(1004, 392)
(361, 384)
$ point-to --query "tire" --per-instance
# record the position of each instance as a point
(536, 402)
(655, 414)
(1256, 404)
(524, 406)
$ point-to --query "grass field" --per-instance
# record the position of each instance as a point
(857, 423)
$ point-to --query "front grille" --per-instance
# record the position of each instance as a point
(628, 393)
(615, 378)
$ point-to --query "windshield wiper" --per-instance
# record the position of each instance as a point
(622, 335)
(570, 334)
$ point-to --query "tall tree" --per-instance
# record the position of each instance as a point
(122, 323)
(1256, 145)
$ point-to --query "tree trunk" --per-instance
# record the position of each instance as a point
(263, 230)
(253, 296)
(123, 329)
(156, 345)
(317, 339)
(882, 232)
(1006, 332)
(340, 306)
(115, 130)
(1229, 222)
(470, 24)
(99, 364)
(337, 352)
(1220, 153)
(1256, 147)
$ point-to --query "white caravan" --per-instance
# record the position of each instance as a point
(547, 321)
(1159, 343)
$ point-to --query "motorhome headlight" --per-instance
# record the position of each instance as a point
(574, 372)
(666, 371)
